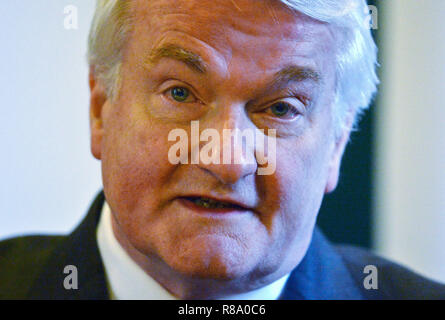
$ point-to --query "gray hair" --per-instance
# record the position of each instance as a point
(356, 55)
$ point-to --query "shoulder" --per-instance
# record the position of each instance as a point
(393, 280)
(21, 260)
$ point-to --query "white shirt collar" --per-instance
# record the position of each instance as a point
(128, 281)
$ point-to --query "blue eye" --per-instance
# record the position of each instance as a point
(283, 110)
(280, 109)
(180, 94)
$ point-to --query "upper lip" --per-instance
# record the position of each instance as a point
(229, 200)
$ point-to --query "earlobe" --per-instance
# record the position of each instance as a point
(98, 98)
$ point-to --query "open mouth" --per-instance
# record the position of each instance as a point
(207, 203)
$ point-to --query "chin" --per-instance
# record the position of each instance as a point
(216, 258)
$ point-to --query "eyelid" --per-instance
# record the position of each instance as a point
(179, 84)
(285, 94)
(293, 111)
(285, 100)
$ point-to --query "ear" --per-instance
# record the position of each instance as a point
(98, 98)
(339, 149)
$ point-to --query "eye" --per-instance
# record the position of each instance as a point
(283, 110)
(180, 94)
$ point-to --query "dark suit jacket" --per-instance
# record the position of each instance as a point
(32, 267)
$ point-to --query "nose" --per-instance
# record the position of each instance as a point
(235, 151)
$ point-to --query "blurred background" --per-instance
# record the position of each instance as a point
(391, 196)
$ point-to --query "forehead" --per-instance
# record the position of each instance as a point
(265, 34)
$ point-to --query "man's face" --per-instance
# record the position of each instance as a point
(267, 222)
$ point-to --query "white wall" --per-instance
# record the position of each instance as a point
(48, 176)
(410, 198)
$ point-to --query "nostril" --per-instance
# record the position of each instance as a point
(229, 174)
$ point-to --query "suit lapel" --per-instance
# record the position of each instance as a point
(321, 275)
(80, 250)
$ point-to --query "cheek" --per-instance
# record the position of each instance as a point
(291, 200)
(135, 162)
(297, 187)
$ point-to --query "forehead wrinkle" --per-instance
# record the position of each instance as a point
(172, 51)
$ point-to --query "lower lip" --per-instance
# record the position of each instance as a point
(221, 211)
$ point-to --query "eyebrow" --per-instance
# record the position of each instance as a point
(172, 51)
(290, 73)
(294, 73)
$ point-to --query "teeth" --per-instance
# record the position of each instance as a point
(211, 204)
